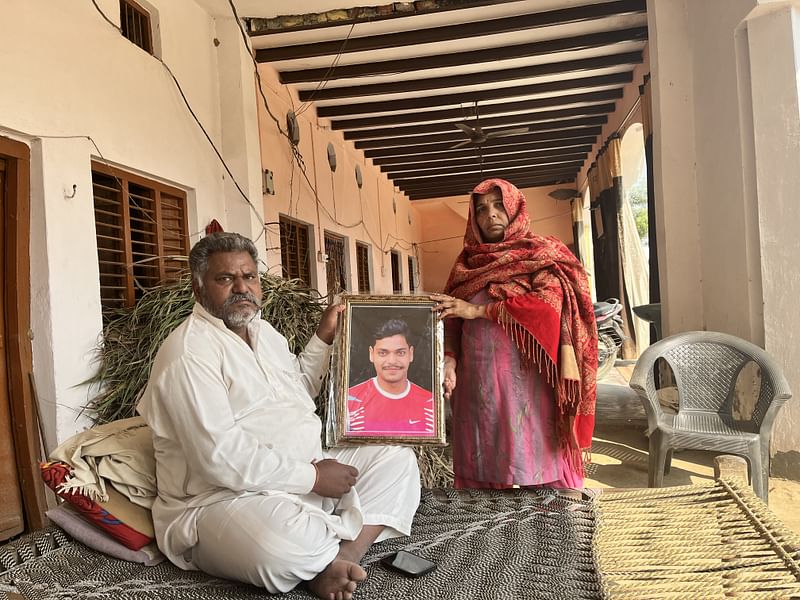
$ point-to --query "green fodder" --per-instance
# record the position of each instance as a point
(132, 336)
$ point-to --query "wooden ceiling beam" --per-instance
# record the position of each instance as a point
(259, 26)
(429, 194)
(485, 110)
(583, 143)
(453, 167)
(452, 32)
(612, 79)
(518, 119)
(482, 78)
(457, 59)
(427, 162)
(469, 180)
(469, 183)
(456, 136)
(520, 141)
(464, 188)
(425, 182)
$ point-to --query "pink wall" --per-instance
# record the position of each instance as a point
(444, 221)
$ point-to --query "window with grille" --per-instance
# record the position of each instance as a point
(135, 25)
(412, 280)
(142, 234)
(397, 282)
(295, 250)
(362, 267)
(335, 265)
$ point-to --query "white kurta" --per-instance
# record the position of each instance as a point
(235, 434)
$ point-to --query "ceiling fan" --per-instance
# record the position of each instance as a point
(477, 136)
(564, 194)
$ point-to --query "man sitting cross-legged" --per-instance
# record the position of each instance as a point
(244, 489)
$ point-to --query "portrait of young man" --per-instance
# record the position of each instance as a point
(389, 403)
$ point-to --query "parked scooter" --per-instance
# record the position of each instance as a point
(610, 334)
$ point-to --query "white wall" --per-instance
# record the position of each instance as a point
(731, 296)
(67, 72)
(675, 165)
(705, 238)
(726, 130)
(773, 43)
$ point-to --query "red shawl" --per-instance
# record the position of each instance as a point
(543, 301)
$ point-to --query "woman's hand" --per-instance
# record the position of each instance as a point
(449, 376)
(449, 307)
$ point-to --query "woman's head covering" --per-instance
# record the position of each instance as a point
(513, 201)
(503, 267)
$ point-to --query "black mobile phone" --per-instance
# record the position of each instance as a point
(408, 564)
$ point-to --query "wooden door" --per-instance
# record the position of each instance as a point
(11, 515)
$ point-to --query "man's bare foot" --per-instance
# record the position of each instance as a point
(338, 581)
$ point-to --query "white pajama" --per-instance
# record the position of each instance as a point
(235, 435)
(275, 542)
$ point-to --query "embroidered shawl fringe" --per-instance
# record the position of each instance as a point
(72, 484)
(568, 392)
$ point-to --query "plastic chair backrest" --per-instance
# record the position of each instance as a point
(706, 366)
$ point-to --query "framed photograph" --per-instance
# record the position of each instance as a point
(388, 373)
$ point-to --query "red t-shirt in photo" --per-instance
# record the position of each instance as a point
(373, 411)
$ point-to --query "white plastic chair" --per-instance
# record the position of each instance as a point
(706, 366)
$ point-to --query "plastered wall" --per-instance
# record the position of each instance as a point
(308, 191)
(75, 91)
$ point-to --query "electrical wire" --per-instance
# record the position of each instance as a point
(297, 156)
(106, 162)
(296, 153)
(197, 121)
(324, 80)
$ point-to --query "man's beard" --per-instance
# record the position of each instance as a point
(234, 317)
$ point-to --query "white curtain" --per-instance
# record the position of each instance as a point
(635, 270)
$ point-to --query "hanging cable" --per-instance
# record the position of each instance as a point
(197, 122)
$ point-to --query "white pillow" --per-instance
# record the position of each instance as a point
(95, 538)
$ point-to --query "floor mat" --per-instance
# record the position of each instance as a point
(699, 541)
(487, 544)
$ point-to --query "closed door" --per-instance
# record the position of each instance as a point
(11, 516)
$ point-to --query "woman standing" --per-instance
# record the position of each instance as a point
(521, 338)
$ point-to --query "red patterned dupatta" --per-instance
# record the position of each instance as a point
(543, 301)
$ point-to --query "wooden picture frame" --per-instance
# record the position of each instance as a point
(387, 373)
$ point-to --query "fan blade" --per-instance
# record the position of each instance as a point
(564, 194)
(504, 132)
(465, 128)
(461, 144)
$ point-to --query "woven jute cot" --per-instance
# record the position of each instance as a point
(702, 541)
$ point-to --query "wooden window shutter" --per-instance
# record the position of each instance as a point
(135, 25)
(295, 250)
(397, 284)
(412, 282)
(335, 266)
(362, 267)
(142, 235)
